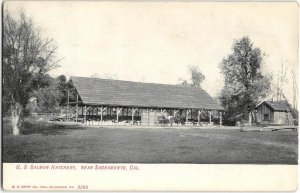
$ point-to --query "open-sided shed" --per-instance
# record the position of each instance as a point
(114, 99)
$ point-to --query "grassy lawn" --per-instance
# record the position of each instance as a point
(47, 142)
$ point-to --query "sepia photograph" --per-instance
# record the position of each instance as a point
(95, 82)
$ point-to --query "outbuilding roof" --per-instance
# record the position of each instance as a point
(96, 91)
(277, 105)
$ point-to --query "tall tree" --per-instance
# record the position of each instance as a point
(196, 77)
(279, 80)
(66, 88)
(27, 57)
(245, 84)
(48, 97)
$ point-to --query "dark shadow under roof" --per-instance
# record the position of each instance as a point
(96, 91)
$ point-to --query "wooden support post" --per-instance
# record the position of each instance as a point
(132, 115)
(77, 108)
(85, 115)
(97, 115)
(220, 118)
(118, 111)
(174, 113)
(209, 112)
(91, 109)
(148, 116)
(103, 109)
(199, 116)
(117, 115)
(133, 112)
(68, 101)
(187, 115)
(101, 114)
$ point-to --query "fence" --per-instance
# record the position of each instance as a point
(45, 114)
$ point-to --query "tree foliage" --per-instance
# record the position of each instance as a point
(196, 77)
(280, 79)
(55, 94)
(49, 99)
(64, 87)
(27, 57)
(245, 84)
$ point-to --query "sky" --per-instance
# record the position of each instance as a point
(157, 41)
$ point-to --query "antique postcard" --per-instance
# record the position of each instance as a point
(149, 96)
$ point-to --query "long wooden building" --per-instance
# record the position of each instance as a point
(107, 99)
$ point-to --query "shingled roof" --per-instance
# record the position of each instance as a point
(277, 105)
(96, 91)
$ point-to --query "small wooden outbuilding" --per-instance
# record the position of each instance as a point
(273, 113)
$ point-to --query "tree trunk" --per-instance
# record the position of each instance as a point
(253, 117)
(250, 118)
(15, 118)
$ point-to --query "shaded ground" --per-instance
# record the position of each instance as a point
(46, 142)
